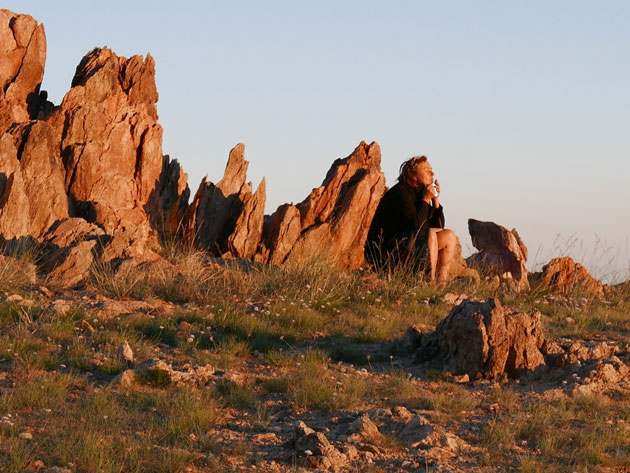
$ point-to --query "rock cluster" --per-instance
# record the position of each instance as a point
(500, 251)
(353, 436)
(585, 367)
(484, 340)
(229, 221)
(88, 179)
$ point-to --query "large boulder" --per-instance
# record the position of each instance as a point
(565, 275)
(485, 339)
(500, 251)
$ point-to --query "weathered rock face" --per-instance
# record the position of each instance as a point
(565, 275)
(111, 143)
(485, 339)
(168, 205)
(500, 251)
(459, 268)
(32, 195)
(281, 233)
(23, 52)
(335, 217)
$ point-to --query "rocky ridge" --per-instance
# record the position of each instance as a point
(87, 181)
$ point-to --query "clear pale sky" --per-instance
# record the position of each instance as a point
(523, 107)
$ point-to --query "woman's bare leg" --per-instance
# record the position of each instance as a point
(433, 251)
(446, 245)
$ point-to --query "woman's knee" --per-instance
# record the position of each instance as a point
(448, 238)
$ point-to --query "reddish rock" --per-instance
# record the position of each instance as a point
(71, 265)
(168, 206)
(336, 216)
(92, 169)
(23, 52)
(565, 275)
(32, 195)
(110, 141)
(134, 243)
(67, 232)
(485, 339)
(216, 208)
(281, 233)
(500, 251)
(459, 268)
(244, 240)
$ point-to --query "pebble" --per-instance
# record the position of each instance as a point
(26, 436)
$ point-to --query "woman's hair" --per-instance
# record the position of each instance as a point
(408, 168)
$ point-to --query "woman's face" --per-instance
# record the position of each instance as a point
(424, 174)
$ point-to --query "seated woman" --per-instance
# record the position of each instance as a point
(408, 225)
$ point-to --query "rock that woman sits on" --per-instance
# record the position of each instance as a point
(408, 225)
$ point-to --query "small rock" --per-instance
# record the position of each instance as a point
(15, 298)
(58, 469)
(125, 352)
(26, 436)
(363, 429)
(403, 413)
(125, 379)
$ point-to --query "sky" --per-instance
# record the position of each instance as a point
(522, 107)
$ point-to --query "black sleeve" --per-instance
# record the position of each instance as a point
(437, 218)
(431, 216)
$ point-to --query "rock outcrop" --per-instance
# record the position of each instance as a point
(500, 251)
(92, 167)
(565, 275)
(335, 217)
(485, 340)
(110, 141)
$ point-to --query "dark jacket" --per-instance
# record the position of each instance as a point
(401, 213)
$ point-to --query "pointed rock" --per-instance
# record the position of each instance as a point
(125, 352)
(336, 216)
(32, 195)
(168, 205)
(244, 240)
(215, 209)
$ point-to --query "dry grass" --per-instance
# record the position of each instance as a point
(287, 329)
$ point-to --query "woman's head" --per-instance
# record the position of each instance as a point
(416, 172)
